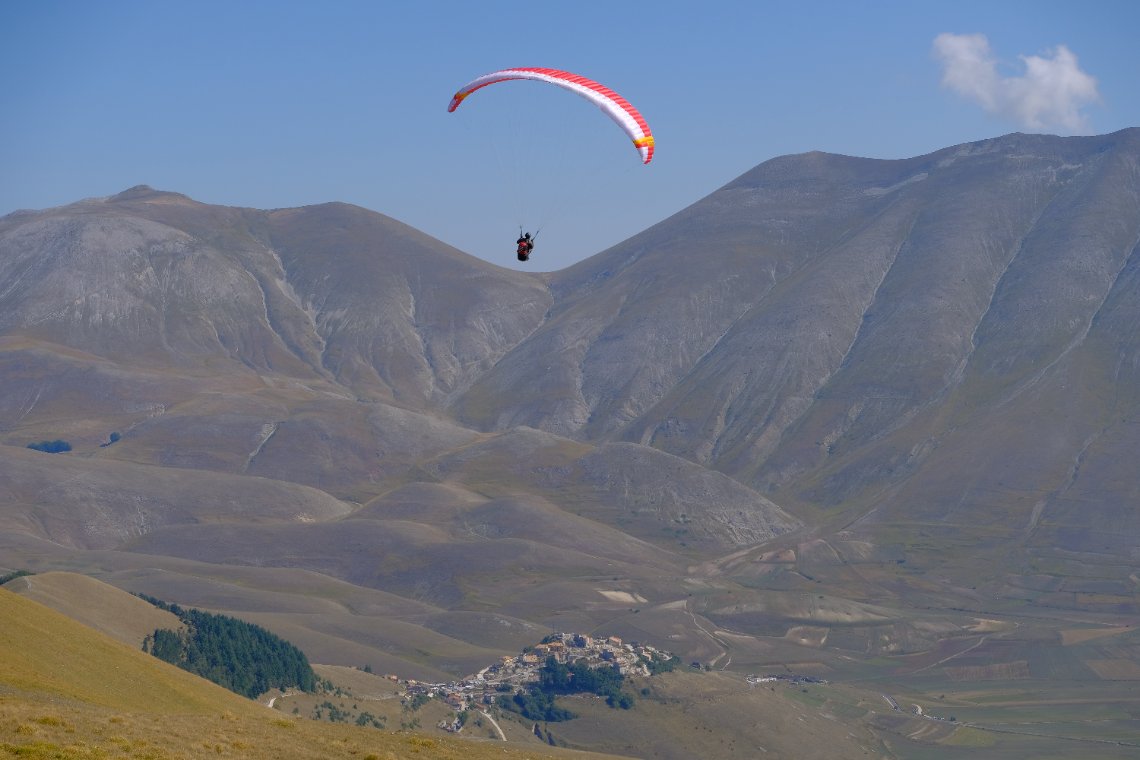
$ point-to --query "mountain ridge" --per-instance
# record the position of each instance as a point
(809, 308)
(913, 379)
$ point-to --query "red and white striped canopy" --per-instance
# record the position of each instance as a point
(615, 106)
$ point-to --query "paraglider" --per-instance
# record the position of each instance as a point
(628, 118)
(525, 245)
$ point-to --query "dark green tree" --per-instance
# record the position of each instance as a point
(240, 656)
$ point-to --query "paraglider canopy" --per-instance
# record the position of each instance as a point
(615, 106)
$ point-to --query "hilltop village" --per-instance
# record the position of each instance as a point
(513, 673)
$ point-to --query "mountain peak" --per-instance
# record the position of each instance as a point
(148, 194)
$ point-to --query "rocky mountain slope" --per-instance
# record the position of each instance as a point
(945, 339)
(832, 370)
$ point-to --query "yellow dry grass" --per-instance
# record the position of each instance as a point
(44, 652)
(1081, 635)
(1115, 669)
(96, 604)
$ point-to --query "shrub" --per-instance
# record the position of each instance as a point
(14, 575)
(51, 447)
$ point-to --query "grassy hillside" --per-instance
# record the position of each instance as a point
(67, 691)
(1022, 689)
(119, 615)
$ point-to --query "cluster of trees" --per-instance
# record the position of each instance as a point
(52, 447)
(657, 667)
(59, 446)
(14, 575)
(536, 705)
(579, 678)
(240, 656)
(555, 679)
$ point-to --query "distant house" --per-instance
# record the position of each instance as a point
(555, 649)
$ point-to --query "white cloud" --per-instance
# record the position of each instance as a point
(1048, 96)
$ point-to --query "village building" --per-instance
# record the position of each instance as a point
(512, 673)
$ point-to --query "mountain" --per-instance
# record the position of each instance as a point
(945, 339)
(815, 279)
(316, 294)
(839, 413)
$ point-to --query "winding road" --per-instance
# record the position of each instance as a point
(494, 723)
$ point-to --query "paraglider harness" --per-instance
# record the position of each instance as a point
(525, 244)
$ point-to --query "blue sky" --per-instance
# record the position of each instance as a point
(280, 104)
